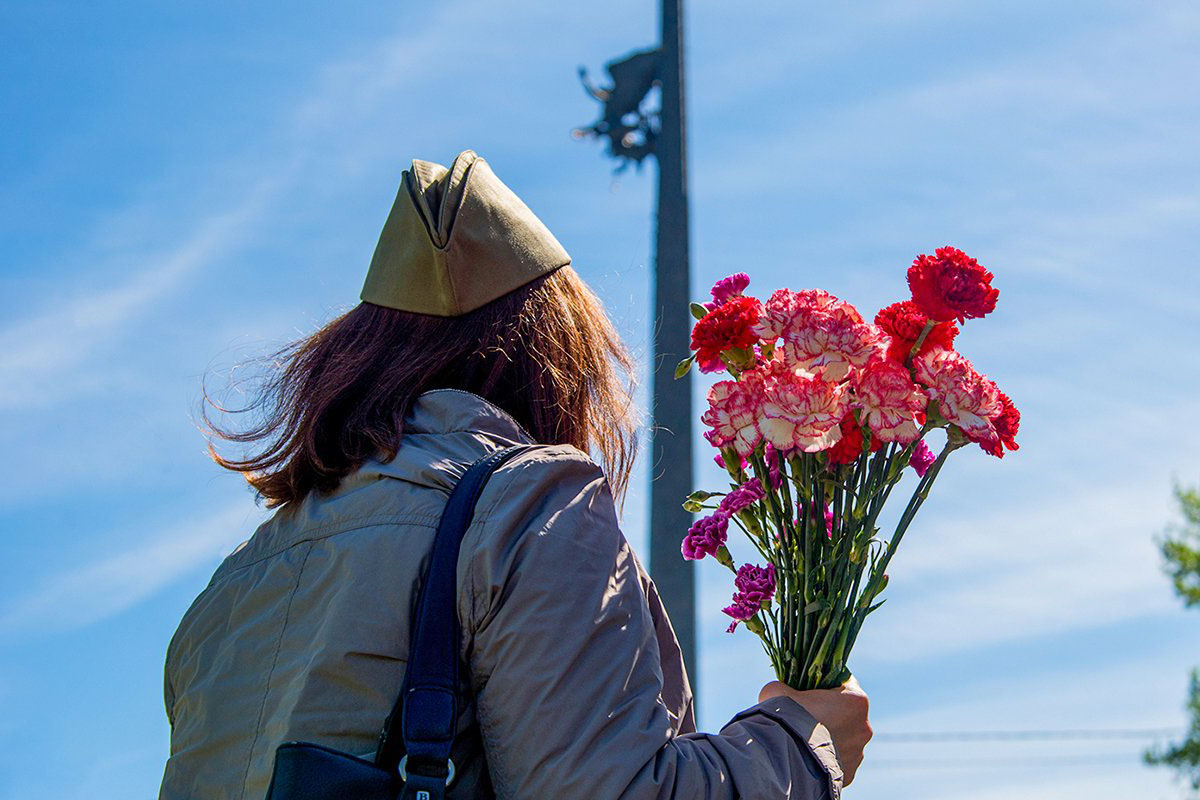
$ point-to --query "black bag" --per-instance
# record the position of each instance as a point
(412, 761)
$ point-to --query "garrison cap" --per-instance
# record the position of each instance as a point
(455, 240)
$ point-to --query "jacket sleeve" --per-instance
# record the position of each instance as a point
(565, 664)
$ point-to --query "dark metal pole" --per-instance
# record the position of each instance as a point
(671, 438)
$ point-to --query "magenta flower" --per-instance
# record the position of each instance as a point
(727, 288)
(922, 458)
(755, 588)
(705, 536)
(774, 473)
(742, 497)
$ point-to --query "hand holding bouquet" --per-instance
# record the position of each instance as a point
(821, 419)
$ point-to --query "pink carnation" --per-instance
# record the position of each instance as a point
(705, 536)
(802, 412)
(966, 398)
(755, 588)
(889, 400)
(922, 458)
(742, 497)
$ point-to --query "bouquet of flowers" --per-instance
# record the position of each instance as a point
(822, 418)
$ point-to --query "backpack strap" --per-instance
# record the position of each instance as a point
(425, 715)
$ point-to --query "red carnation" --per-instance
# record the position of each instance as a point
(903, 322)
(849, 447)
(725, 327)
(951, 285)
(1007, 423)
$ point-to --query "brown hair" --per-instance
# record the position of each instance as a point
(546, 353)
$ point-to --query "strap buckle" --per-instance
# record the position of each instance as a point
(404, 774)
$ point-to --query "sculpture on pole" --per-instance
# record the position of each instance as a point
(634, 132)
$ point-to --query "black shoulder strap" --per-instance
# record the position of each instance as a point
(426, 712)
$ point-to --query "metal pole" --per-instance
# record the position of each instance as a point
(671, 438)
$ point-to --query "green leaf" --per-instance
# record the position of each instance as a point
(682, 368)
(698, 311)
(815, 605)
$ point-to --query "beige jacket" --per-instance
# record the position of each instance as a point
(577, 686)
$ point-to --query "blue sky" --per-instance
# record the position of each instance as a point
(186, 185)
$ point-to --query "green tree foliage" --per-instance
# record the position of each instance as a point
(1181, 548)
(1184, 757)
(1181, 555)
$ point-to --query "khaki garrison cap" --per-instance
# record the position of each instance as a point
(455, 240)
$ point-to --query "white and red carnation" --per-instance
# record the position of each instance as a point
(889, 400)
(831, 342)
(732, 416)
(1007, 423)
(788, 311)
(802, 412)
(965, 397)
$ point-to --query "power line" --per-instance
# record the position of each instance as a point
(1087, 760)
(1065, 735)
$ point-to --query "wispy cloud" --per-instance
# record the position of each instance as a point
(92, 592)
(40, 355)
(44, 357)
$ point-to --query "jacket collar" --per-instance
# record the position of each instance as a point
(456, 410)
(444, 432)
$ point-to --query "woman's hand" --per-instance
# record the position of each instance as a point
(843, 711)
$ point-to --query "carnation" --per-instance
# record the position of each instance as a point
(903, 323)
(734, 407)
(921, 459)
(831, 343)
(889, 401)
(729, 325)
(850, 446)
(1006, 423)
(742, 497)
(728, 288)
(965, 398)
(732, 416)
(951, 285)
(787, 311)
(755, 588)
(705, 536)
(774, 471)
(802, 412)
